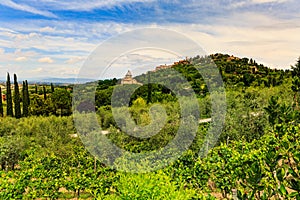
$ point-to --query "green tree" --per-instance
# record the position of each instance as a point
(103, 97)
(278, 113)
(52, 88)
(27, 91)
(296, 69)
(62, 101)
(45, 93)
(11, 149)
(17, 98)
(1, 104)
(149, 97)
(37, 106)
(25, 99)
(273, 110)
(36, 89)
(296, 90)
(9, 108)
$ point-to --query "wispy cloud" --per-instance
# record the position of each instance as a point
(44, 42)
(27, 8)
(82, 5)
(268, 1)
(150, 11)
(75, 59)
(248, 3)
(44, 7)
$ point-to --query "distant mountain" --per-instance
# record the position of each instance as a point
(49, 80)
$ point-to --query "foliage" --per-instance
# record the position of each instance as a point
(9, 109)
(17, 100)
(257, 155)
(12, 150)
(25, 99)
(1, 103)
(52, 87)
(150, 186)
(44, 93)
(38, 106)
(62, 101)
(296, 69)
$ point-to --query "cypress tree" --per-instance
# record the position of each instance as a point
(36, 89)
(45, 94)
(1, 105)
(23, 96)
(25, 100)
(17, 98)
(52, 88)
(9, 109)
(27, 92)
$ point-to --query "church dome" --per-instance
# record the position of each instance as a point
(129, 74)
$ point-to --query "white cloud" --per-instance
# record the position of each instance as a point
(45, 42)
(42, 7)
(21, 59)
(76, 59)
(246, 3)
(47, 29)
(2, 29)
(140, 61)
(273, 45)
(37, 70)
(64, 71)
(268, 1)
(27, 54)
(82, 5)
(46, 60)
(26, 8)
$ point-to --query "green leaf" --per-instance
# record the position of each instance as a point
(280, 174)
(293, 194)
(282, 190)
(294, 185)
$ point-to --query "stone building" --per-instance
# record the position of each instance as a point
(128, 79)
(162, 67)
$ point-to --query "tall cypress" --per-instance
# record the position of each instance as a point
(25, 99)
(27, 92)
(52, 88)
(1, 104)
(36, 89)
(45, 93)
(9, 109)
(17, 98)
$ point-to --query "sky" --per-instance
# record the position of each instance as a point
(53, 38)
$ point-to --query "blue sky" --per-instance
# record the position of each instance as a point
(42, 38)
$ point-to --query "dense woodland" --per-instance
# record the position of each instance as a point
(256, 157)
